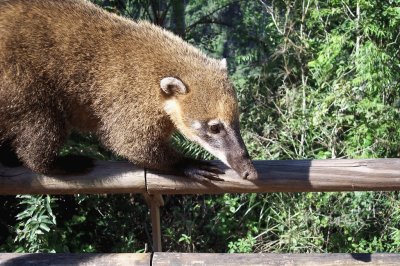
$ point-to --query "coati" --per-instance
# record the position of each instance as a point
(69, 65)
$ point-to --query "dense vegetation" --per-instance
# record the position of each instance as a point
(315, 79)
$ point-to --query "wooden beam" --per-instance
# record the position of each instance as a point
(275, 176)
(311, 259)
(291, 176)
(60, 259)
(164, 259)
(105, 177)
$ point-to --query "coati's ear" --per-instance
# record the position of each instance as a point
(223, 64)
(172, 86)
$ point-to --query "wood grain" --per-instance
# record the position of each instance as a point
(311, 259)
(61, 259)
(290, 176)
(105, 177)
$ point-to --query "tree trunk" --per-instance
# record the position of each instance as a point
(178, 17)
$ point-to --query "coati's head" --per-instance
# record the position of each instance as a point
(204, 108)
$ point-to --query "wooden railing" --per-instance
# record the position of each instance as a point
(217, 259)
(275, 176)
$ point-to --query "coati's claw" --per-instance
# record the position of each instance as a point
(211, 168)
(202, 175)
(201, 170)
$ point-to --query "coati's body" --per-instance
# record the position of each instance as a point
(68, 65)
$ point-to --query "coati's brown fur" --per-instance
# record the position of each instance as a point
(68, 65)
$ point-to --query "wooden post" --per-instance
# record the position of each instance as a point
(155, 202)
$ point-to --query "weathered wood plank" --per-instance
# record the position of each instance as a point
(105, 177)
(275, 176)
(311, 259)
(291, 176)
(61, 259)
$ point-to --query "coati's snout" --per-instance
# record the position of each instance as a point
(220, 136)
(224, 142)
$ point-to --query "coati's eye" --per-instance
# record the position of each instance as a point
(215, 128)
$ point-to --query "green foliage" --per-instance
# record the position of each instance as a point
(320, 81)
(34, 222)
(315, 79)
(283, 222)
(96, 223)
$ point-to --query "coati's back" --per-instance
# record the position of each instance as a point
(38, 55)
(53, 52)
(73, 45)
(52, 38)
(66, 50)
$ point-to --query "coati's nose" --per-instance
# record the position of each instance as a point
(245, 175)
(250, 174)
(244, 167)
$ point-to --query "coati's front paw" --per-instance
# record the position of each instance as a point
(8, 158)
(201, 170)
(71, 164)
